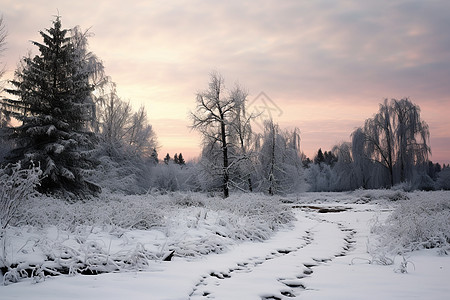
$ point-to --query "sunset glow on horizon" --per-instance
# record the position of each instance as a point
(326, 65)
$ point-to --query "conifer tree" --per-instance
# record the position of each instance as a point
(175, 159)
(154, 156)
(51, 97)
(319, 157)
(181, 159)
(167, 159)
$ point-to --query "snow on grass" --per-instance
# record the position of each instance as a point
(118, 233)
(307, 246)
(417, 223)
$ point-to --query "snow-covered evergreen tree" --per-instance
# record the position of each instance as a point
(51, 97)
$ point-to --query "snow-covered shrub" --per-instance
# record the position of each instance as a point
(120, 233)
(128, 212)
(443, 181)
(164, 177)
(423, 182)
(319, 177)
(216, 223)
(127, 174)
(16, 186)
(263, 214)
(416, 224)
(173, 177)
(188, 200)
(394, 194)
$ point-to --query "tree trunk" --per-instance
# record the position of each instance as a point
(225, 159)
(272, 163)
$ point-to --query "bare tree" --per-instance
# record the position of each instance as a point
(212, 118)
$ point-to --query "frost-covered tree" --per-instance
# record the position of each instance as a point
(114, 118)
(93, 68)
(212, 118)
(443, 180)
(123, 132)
(242, 140)
(126, 142)
(3, 35)
(140, 134)
(51, 97)
(319, 178)
(411, 138)
(396, 138)
(361, 162)
(270, 158)
(4, 119)
(345, 177)
(222, 119)
(279, 160)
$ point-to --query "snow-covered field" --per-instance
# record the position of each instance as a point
(308, 246)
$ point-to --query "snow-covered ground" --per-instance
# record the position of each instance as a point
(223, 251)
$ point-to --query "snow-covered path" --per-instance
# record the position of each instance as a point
(274, 269)
(323, 256)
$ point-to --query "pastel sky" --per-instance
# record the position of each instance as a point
(323, 66)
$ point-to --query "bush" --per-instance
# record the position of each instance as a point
(17, 185)
(119, 233)
(443, 181)
(417, 224)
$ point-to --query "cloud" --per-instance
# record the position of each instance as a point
(345, 55)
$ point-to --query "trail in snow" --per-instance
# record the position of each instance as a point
(277, 272)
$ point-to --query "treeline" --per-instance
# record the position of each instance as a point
(61, 113)
(391, 148)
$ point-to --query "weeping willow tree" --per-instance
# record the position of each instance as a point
(395, 138)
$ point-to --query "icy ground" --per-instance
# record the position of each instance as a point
(323, 254)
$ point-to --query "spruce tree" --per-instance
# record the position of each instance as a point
(167, 159)
(51, 93)
(181, 159)
(319, 157)
(175, 159)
